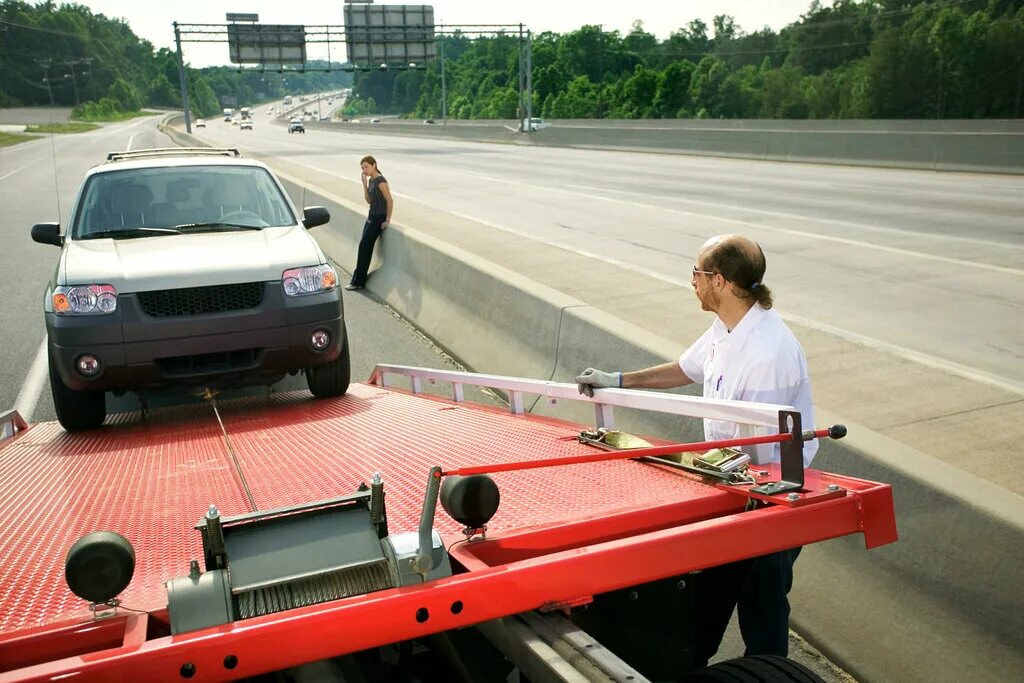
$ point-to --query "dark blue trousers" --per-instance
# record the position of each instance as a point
(759, 589)
(371, 231)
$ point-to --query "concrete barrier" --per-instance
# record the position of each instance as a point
(943, 604)
(995, 146)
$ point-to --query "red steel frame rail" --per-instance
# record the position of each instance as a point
(516, 573)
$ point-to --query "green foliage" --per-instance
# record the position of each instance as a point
(842, 59)
(849, 59)
(8, 139)
(115, 72)
(61, 128)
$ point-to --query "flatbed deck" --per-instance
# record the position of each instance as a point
(560, 534)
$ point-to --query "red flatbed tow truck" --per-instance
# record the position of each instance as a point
(295, 558)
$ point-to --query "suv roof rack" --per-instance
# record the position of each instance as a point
(174, 151)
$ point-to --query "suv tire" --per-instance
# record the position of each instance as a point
(76, 410)
(757, 669)
(333, 378)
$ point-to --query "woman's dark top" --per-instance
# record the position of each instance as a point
(378, 205)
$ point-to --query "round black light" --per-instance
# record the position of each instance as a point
(470, 501)
(99, 566)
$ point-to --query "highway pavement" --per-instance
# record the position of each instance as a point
(38, 182)
(928, 263)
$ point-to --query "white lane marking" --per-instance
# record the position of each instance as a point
(130, 140)
(831, 221)
(896, 232)
(32, 388)
(957, 369)
(19, 169)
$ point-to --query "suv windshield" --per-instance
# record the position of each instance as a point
(175, 196)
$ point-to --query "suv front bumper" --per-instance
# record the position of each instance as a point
(236, 348)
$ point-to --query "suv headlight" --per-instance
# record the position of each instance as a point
(84, 300)
(309, 280)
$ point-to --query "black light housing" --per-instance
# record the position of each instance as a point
(470, 501)
(99, 566)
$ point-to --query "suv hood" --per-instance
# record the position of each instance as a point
(191, 260)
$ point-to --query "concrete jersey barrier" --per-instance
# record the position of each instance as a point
(995, 146)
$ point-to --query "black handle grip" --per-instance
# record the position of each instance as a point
(836, 431)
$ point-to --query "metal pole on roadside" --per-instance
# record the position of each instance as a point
(74, 81)
(444, 94)
(529, 79)
(44, 63)
(183, 79)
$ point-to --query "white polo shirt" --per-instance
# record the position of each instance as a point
(760, 360)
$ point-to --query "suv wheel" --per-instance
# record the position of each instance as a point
(76, 410)
(333, 378)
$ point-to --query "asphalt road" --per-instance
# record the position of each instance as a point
(928, 262)
(28, 186)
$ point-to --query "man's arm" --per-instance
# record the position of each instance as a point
(665, 376)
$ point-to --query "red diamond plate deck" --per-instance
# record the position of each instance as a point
(152, 480)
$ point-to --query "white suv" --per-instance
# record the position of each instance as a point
(187, 268)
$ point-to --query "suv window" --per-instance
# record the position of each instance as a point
(178, 195)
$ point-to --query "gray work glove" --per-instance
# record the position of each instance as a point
(591, 379)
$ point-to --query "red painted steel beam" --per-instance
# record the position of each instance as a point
(331, 629)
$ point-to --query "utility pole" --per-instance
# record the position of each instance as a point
(183, 79)
(44, 63)
(74, 81)
(444, 94)
(529, 79)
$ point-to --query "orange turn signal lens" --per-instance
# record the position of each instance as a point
(60, 303)
(330, 279)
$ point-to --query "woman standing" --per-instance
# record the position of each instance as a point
(378, 196)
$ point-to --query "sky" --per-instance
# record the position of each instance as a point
(152, 20)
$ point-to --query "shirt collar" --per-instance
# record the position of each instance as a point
(743, 328)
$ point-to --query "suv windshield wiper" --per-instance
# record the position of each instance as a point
(216, 224)
(129, 232)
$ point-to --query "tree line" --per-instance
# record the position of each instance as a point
(67, 56)
(848, 59)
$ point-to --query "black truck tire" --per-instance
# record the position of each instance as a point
(333, 378)
(759, 669)
(76, 410)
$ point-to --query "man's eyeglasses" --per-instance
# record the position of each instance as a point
(696, 272)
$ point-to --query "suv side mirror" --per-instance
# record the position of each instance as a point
(47, 233)
(313, 216)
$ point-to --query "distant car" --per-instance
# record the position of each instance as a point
(374, 120)
(296, 126)
(245, 125)
(200, 123)
(429, 121)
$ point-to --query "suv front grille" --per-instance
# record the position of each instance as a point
(206, 363)
(197, 300)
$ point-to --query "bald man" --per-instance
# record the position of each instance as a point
(748, 354)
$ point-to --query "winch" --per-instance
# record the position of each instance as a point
(274, 560)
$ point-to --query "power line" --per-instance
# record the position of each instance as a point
(40, 29)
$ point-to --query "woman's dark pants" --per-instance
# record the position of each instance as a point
(371, 231)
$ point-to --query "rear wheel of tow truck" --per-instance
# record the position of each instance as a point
(76, 410)
(759, 669)
(333, 378)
